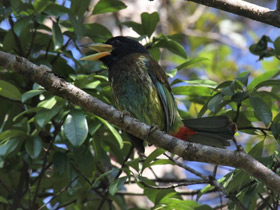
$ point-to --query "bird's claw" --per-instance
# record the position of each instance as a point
(123, 114)
(152, 129)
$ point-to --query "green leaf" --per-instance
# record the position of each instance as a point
(175, 203)
(162, 162)
(275, 127)
(76, 128)
(9, 134)
(113, 130)
(92, 85)
(202, 83)
(261, 78)
(9, 42)
(134, 163)
(41, 5)
(151, 157)
(34, 147)
(31, 110)
(243, 78)
(261, 48)
(48, 103)
(112, 171)
(9, 146)
(98, 32)
(31, 93)
(164, 195)
(60, 162)
(257, 150)
(104, 6)
(21, 25)
(3, 200)
(171, 45)
(155, 53)
(57, 36)
(85, 160)
(45, 115)
(270, 82)
(261, 109)
(79, 7)
(10, 91)
(191, 90)
(277, 45)
(79, 28)
(215, 102)
(138, 28)
(116, 185)
(56, 10)
(204, 190)
(149, 22)
(191, 62)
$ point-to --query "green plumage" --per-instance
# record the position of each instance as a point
(140, 87)
(137, 89)
(134, 91)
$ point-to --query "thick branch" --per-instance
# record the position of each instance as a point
(245, 9)
(189, 151)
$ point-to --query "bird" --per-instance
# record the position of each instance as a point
(140, 87)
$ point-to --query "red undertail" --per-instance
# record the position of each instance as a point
(184, 133)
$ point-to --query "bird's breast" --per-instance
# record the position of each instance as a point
(133, 90)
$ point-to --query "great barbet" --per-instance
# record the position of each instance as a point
(140, 87)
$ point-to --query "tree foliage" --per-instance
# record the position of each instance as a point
(55, 155)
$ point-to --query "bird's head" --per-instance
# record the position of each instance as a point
(115, 49)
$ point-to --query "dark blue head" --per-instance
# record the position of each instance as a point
(122, 46)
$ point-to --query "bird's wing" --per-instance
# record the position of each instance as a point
(159, 78)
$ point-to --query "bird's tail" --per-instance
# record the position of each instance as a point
(212, 131)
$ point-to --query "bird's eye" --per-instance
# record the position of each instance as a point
(116, 41)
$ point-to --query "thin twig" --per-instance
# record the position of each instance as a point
(42, 173)
(187, 168)
(117, 176)
(58, 193)
(173, 186)
(209, 180)
(66, 204)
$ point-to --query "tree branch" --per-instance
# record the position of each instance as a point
(188, 151)
(245, 9)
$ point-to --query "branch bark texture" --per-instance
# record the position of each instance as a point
(188, 151)
(245, 9)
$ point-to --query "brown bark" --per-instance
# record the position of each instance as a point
(245, 9)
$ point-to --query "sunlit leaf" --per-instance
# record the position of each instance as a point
(138, 28)
(149, 22)
(261, 109)
(113, 130)
(76, 128)
(171, 45)
(31, 93)
(104, 6)
(9, 146)
(151, 157)
(57, 36)
(191, 62)
(263, 77)
(116, 185)
(277, 45)
(8, 90)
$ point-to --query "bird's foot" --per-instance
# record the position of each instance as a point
(123, 114)
(152, 129)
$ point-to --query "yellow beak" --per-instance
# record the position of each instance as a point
(102, 49)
